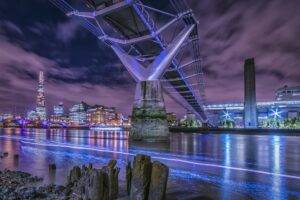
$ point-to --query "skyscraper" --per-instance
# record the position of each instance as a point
(250, 111)
(40, 99)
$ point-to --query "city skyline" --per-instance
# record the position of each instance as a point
(91, 73)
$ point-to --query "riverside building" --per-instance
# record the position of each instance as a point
(268, 110)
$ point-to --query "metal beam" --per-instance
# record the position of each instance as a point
(182, 92)
(132, 65)
(160, 64)
(142, 38)
(180, 86)
(185, 65)
(156, 10)
(179, 79)
(105, 11)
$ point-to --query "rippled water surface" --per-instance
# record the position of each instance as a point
(219, 166)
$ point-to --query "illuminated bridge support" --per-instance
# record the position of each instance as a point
(149, 118)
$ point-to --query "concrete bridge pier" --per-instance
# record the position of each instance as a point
(149, 118)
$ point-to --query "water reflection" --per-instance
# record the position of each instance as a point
(220, 166)
(226, 174)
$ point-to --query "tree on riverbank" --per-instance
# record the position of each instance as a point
(293, 123)
(227, 124)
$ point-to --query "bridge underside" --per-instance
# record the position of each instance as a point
(166, 54)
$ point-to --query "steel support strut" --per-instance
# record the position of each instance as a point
(158, 67)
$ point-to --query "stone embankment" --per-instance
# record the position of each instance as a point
(145, 180)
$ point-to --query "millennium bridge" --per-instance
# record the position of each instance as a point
(159, 48)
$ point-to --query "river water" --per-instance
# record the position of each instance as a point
(219, 166)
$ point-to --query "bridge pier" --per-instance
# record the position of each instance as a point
(149, 118)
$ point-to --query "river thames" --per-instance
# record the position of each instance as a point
(219, 166)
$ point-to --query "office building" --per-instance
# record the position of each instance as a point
(78, 114)
(288, 93)
(59, 116)
(99, 115)
(40, 99)
(58, 109)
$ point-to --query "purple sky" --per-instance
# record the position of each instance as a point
(37, 36)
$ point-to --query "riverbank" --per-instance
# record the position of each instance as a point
(21, 185)
(145, 179)
(258, 131)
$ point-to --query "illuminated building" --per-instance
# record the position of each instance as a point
(32, 115)
(78, 114)
(58, 109)
(58, 116)
(40, 99)
(110, 113)
(266, 110)
(119, 119)
(5, 116)
(103, 116)
(250, 111)
(127, 122)
(96, 115)
(288, 94)
(172, 119)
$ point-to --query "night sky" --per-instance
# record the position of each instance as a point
(35, 35)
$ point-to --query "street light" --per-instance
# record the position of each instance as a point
(226, 115)
(276, 113)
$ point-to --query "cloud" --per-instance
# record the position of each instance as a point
(231, 31)
(39, 28)
(10, 27)
(67, 31)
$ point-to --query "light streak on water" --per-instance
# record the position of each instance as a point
(167, 159)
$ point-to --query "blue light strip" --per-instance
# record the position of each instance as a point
(106, 128)
(169, 159)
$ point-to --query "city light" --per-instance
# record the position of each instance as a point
(106, 128)
(276, 113)
(226, 115)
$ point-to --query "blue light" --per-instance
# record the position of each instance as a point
(163, 158)
(106, 128)
(226, 115)
(276, 113)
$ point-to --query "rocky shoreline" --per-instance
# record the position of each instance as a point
(16, 185)
(145, 180)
